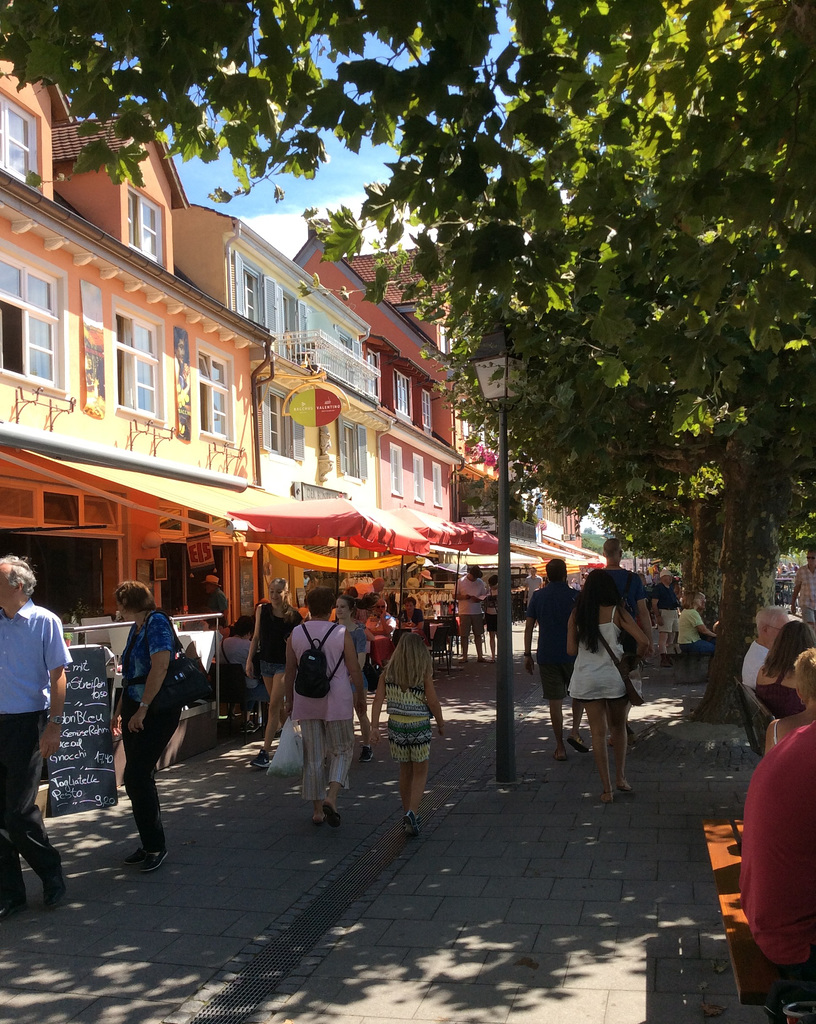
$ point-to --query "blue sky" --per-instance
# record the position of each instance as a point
(338, 182)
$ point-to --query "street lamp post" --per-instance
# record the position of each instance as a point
(495, 369)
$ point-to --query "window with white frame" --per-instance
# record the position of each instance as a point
(373, 385)
(214, 394)
(144, 225)
(290, 311)
(437, 484)
(353, 441)
(253, 301)
(427, 416)
(29, 322)
(419, 478)
(402, 393)
(137, 364)
(280, 434)
(396, 469)
(18, 134)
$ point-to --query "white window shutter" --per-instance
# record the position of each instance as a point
(362, 450)
(341, 443)
(270, 305)
(298, 441)
(240, 305)
(266, 429)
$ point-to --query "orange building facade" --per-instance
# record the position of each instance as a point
(125, 412)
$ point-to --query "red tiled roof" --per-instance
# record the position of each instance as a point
(365, 265)
(67, 142)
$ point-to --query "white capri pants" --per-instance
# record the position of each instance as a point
(321, 740)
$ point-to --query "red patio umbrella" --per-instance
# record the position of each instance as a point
(482, 542)
(321, 522)
(437, 530)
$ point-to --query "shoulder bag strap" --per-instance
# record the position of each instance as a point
(612, 654)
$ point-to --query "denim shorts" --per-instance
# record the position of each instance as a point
(272, 668)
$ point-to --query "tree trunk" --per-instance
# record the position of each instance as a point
(754, 505)
(707, 534)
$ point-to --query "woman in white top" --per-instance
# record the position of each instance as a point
(599, 616)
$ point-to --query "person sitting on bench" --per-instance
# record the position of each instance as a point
(804, 678)
(769, 621)
(778, 874)
(694, 635)
(775, 686)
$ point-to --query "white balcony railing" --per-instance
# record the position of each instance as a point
(323, 352)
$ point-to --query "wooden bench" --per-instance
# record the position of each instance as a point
(756, 717)
(691, 667)
(753, 971)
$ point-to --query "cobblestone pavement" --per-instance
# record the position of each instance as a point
(525, 902)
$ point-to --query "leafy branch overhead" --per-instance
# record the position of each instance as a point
(626, 184)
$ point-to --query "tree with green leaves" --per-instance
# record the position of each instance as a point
(625, 183)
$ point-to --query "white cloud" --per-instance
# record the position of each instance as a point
(288, 231)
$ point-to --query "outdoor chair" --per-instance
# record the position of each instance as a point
(441, 647)
(96, 636)
(234, 690)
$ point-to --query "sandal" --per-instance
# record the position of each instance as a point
(607, 797)
(332, 817)
(624, 787)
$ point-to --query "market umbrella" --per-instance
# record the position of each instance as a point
(437, 530)
(323, 521)
(481, 542)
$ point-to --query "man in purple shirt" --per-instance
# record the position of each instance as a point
(33, 657)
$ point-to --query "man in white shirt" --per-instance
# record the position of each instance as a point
(768, 623)
(804, 588)
(470, 594)
(532, 583)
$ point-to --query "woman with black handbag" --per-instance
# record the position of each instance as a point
(593, 634)
(145, 731)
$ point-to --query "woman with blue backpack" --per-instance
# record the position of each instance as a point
(323, 686)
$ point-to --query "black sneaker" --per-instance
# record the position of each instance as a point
(153, 861)
(411, 824)
(137, 857)
(261, 761)
(366, 754)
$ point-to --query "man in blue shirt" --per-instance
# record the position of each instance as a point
(33, 657)
(631, 589)
(551, 608)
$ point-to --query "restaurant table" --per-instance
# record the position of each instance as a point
(382, 648)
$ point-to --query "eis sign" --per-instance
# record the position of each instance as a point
(200, 552)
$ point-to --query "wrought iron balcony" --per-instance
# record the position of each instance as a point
(320, 350)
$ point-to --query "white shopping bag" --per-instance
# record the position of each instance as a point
(288, 759)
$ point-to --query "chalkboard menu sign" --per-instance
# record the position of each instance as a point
(81, 775)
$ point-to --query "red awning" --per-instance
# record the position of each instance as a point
(323, 521)
(437, 530)
(482, 542)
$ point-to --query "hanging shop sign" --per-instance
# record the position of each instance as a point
(316, 407)
(200, 552)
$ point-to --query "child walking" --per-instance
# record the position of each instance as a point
(407, 685)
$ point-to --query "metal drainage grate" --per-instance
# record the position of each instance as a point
(259, 979)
